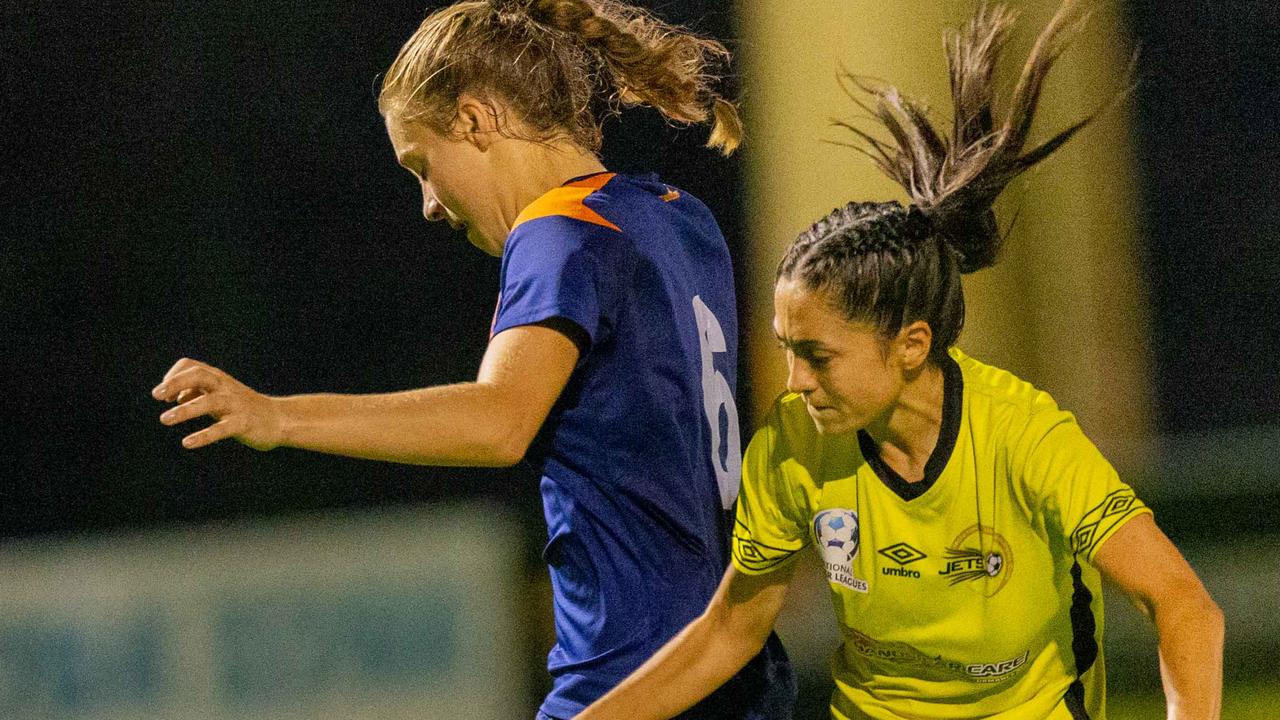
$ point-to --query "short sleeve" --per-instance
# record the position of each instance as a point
(768, 528)
(551, 268)
(1076, 484)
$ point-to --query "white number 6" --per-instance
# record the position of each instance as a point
(717, 394)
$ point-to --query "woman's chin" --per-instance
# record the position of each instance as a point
(831, 422)
(483, 243)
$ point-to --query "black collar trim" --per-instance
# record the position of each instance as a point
(580, 178)
(952, 403)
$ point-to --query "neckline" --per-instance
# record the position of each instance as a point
(588, 176)
(952, 402)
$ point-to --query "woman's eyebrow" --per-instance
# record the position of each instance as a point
(802, 345)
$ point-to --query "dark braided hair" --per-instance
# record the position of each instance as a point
(892, 265)
(563, 66)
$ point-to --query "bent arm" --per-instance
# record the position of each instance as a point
(1143, 562)
(704, 655)
(489, 422)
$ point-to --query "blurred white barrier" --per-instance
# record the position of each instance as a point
(389, 615)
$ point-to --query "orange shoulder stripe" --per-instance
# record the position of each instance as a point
(567, 201)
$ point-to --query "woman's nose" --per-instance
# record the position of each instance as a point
(432, 210)
(799, 377)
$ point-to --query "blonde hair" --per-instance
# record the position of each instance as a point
(562, 66)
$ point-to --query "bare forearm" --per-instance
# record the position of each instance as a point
(488, 422)
(1144, 563)
(688, 668)
(463, 424)
(1191, 638)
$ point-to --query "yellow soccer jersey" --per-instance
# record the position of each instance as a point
(969, 594)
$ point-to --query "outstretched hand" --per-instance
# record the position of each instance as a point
(241, 413)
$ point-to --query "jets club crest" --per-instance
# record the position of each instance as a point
(981, 557)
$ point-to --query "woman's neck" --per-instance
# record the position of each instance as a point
(533, 169)
(907, 434)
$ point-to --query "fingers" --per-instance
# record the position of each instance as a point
(201, 390)
(196, 377)
(178, 367)
(191, 384)
(205, 404)
(220, 430)
(183, 364)
(188, 395)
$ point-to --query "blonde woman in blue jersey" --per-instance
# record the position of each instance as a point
(964, 520)
(612, 360)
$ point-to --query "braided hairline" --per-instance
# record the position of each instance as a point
(882, 264)
(861, 227)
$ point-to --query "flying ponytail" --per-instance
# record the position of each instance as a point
(892, 265)
(955, 179)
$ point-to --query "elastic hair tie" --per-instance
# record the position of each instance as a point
(918, 224)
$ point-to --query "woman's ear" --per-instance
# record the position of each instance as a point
(478, 121)
(913, 344)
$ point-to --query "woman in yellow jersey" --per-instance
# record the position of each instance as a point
(963, 519)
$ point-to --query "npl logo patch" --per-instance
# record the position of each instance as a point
(836, 533)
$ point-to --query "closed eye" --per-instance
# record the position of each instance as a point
(815, 360)
(809, 351)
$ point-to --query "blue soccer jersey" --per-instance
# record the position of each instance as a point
(640, 456)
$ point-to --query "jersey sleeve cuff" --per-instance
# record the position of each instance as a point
(753, 558)
(1104, 520)
(533, 317)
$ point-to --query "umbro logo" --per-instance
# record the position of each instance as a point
(904, 555)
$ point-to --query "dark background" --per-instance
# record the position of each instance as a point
(213, 180)
(1209, 151)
